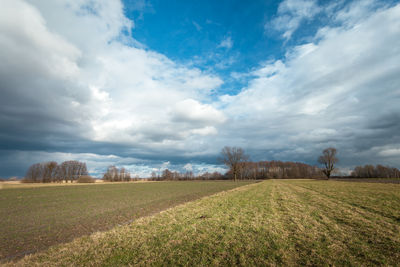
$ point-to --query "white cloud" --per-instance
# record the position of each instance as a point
(165, 165)
(390, 152)
(188, 167)
(226, 43)
(356, 11)
(96, 78)
(190, 110)
(340, 90)
(291, 13)
(208, 130)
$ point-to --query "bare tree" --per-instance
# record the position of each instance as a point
(153, 175)
(128, 177)
(167, 175)
(34, 173)
(328, 159)
(232, 157)
(112, 174)
(49, 171)
(124, 175)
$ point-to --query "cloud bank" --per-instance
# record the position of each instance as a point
(76, 84)
(340, 89)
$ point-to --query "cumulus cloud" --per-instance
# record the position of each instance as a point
(73, 79)
(72, 63)
(190, 110)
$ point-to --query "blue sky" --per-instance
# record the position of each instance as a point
(153, 84)
(223, 37)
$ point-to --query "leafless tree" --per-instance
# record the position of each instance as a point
(124, 175)
(112, 174)
(49, 171)
(34, 173)
(153, 175)
(328, 159)
(128, 177)
(167, 175)
(232, 157)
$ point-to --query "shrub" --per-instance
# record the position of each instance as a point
(85, 179)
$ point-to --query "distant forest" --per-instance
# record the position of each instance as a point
(75, 171)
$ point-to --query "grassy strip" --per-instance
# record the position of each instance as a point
(35, 218)
(355, 236)
(382, 199)
(270, 223)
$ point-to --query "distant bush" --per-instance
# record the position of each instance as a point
(85, 179)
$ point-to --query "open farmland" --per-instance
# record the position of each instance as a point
(276, 222)
(36, 217)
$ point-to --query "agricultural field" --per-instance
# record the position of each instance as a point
(37, 216)
(275, 222)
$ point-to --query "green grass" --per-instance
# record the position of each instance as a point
(276, 222)
(35, 217)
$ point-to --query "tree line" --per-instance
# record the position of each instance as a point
(168, 175)
(247, 170)
(378, 171)
(113, 174)
(52, 172)
(240, 168)
(275, 170)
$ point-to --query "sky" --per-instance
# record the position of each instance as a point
(153, 84)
